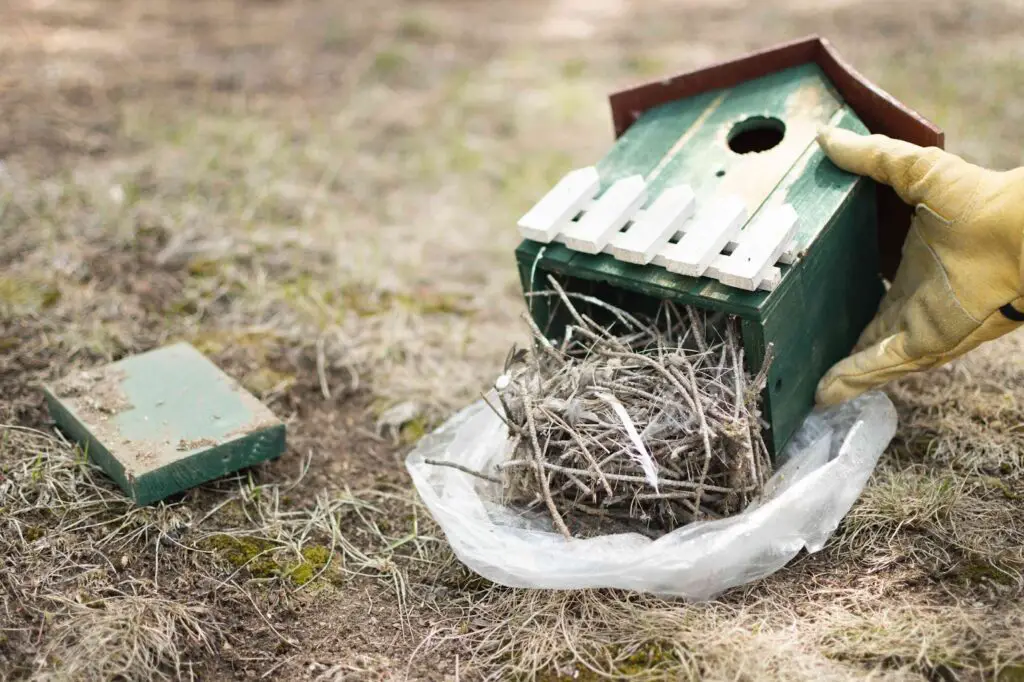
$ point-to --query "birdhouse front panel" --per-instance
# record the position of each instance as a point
(724, 201)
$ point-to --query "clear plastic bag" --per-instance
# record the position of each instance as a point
(823, 471)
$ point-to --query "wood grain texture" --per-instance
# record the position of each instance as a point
(644, 148)
(800, 98)
(880, 111)
(630, 104)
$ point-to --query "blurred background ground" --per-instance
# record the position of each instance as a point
(321, 197)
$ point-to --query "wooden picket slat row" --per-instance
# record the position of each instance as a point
(674, 232)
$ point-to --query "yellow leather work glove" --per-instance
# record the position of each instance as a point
(961, 278)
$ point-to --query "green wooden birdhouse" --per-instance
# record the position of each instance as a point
(715, 194)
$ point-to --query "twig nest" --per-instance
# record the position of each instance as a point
(643, 425)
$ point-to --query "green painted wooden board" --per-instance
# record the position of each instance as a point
(824, 300)
(162, 422)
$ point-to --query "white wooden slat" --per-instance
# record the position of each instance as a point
(652, 228)
(772, 278)
(560, 205)
(607, 215)
(770, 234)
(791, 254)
(668, 251)
(682, 222)
(788, 257)
(714, 270)
(704, 237)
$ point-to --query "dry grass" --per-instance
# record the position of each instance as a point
(970, 415)
(127, 637)
(147, 588)
(318, 195)
(820, 634)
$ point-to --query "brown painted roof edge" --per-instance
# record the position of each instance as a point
(881, 113)
(628, 105)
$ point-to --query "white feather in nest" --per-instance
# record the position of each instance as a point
(641, 456)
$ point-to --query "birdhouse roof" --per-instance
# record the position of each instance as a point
(877, 110)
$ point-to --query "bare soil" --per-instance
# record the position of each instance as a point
(319, 196)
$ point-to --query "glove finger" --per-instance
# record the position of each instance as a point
(919, 274)
(887, 360)
(870, 368)
(890, 316)
(920, 175)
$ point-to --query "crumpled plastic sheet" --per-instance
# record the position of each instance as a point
(820, 475)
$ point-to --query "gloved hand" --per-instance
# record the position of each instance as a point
(961, 278)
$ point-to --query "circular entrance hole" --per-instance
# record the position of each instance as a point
(756, 134)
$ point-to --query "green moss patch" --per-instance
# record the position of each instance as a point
(20, 295)
(651, 660)
(265, 559)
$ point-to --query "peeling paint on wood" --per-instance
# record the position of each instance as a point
(161, 422)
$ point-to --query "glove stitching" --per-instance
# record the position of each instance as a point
(974, 200)
(946, 222)
(930, 163)
(921, 363)
(965, 344)
(929, 361)
(945, 278)
(905, 359)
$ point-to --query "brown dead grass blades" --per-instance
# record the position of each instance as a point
(128, 637)
(648, 428)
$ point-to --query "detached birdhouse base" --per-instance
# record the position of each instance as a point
(165, 421)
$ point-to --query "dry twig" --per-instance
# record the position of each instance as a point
(681, 381)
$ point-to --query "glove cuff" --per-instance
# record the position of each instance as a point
(1011, 311)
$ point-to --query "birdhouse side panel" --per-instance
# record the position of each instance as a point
(829, 297)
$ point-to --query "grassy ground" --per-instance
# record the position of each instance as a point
(320, 197)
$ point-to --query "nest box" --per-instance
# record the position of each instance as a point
(715, 194)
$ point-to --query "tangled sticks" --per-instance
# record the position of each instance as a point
(648, 429)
